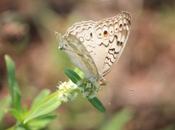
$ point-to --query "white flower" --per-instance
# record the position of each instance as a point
(67, 91)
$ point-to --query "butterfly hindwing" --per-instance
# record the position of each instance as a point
(121, 33)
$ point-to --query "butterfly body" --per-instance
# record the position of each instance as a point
(101, 42)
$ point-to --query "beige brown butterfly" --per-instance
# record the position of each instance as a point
(94, 46)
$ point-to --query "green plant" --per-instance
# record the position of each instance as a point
(41, 111)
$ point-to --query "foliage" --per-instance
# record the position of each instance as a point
(41, 110)
(40, 113)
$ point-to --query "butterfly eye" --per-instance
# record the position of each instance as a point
(62, 47)
(99, 33)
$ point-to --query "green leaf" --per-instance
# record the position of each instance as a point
(44, 107)
(79, 72)
(119, 120)
(12, 84)
(4, 106)
(97, 104)
(41, 122)
(72, 75)
(40, 97)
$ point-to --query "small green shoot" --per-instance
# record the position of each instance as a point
(13, 85)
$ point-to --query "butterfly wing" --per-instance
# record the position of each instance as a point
(85, 32)
(97, 45)
(79, 55)
(121, 27)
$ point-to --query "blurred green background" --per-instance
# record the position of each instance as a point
(143, 81)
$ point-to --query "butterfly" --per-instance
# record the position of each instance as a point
(94, 46)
